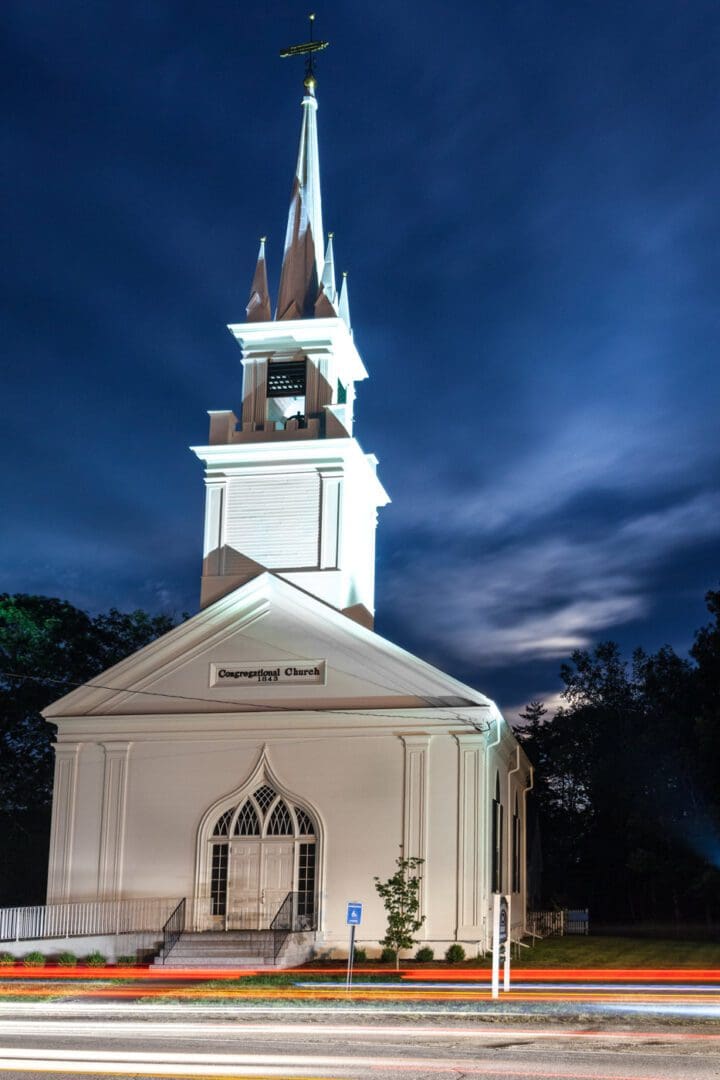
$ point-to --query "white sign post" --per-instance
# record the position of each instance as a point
(353, 919)
(500, 942)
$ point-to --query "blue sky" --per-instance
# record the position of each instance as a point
(525, 196)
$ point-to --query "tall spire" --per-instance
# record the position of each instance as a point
(302, 266)
(258, 305)
(303, 256)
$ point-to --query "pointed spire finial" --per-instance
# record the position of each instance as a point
(302, 267)
(258, 305)
(344, 302)
(327, 299)
(328, 276)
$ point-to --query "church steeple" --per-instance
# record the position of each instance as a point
(302, 266)
(289, 489)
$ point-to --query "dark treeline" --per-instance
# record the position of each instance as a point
(47, 648)
(627, 784)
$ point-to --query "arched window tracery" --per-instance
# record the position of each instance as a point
(265, 814)
(222, 824)
(280, 823)
(247, 823)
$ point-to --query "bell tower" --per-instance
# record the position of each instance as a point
(288, 487)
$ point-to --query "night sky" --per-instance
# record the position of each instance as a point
(525, 195)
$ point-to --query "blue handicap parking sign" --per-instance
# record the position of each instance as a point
(354, 914)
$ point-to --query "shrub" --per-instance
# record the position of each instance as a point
(388, 955)
(34, 959)
(67, 959)
(455, 954)
(360, 956)
(7, 959)
(126, 961)
(424, 954)
(95, 959)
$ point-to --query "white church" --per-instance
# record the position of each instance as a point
(273, 753)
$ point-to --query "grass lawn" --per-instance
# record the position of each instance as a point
(556, 952)
(619, 952)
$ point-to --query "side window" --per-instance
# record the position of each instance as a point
(516, 882)
(497, 839)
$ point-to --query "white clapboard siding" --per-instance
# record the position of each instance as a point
(274, 519)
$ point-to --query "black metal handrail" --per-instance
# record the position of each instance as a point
(173, 928)
(291, 918)
(282, 924)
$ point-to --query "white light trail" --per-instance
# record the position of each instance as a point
(147, 1029)
(177, 1065)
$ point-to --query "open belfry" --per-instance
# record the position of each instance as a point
(269, 757)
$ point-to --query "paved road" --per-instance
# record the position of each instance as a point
(141, 1043)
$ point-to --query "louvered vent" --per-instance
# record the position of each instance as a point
(286, 378)
(274, 520)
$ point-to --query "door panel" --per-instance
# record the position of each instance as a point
(276, 877)
(243, 903)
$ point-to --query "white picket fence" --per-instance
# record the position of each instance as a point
(85, 919)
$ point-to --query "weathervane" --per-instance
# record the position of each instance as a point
(307, 50)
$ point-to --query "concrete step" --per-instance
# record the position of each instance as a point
(224, 946)
(237, 937)
(222, 949)
(214, 962)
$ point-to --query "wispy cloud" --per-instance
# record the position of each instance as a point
(538, 599)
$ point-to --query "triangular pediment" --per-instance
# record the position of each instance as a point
(264, 647)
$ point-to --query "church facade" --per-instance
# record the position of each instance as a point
(274, 745)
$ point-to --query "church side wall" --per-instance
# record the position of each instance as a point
(514, 772)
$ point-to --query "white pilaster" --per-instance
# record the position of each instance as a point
(471, 821)
(112, 828)
(63, 822)
(330, 524)
(415, 804)
(212, 544)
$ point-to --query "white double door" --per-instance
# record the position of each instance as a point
(260, 875)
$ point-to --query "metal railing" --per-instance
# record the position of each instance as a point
(292, 917)
(557, 923)
(282, 924)
(88, 918)
(172, 929)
